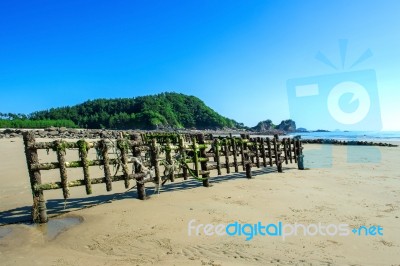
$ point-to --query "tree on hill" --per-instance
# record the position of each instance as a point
(165, 110)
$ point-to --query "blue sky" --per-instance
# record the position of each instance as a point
(237, 56)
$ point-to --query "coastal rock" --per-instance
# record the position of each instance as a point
(74, 131)
(287, 126)
(8, 131)
(268, 127)
(53, 133)
(62, 129)
(42, 135)
(50, 129)
(264, 126)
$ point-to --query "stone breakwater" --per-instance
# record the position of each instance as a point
(66, 133)
(346, 142)
(72, 133)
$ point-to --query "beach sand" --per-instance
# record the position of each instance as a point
(121, 230)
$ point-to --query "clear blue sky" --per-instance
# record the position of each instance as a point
(237, 56)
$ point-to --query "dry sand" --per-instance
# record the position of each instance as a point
(127, 231)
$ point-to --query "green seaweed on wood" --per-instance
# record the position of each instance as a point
(60, 145)
(83, 148)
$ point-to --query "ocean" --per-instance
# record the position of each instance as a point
(380, 136)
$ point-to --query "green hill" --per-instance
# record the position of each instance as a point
(165, 110)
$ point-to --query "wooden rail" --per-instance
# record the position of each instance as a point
(156, 158)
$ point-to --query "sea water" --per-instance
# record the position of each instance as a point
(377, 136)
(56, 226)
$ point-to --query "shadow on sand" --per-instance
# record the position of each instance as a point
(57, 207)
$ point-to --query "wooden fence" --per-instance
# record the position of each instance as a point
(156, 158)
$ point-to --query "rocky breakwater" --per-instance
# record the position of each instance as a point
(64, 133)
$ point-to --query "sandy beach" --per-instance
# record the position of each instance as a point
(121, 230)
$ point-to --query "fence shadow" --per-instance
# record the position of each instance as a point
(57, 207)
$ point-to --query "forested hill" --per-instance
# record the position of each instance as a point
(165, 110)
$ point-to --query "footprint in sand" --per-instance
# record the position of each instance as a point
(391, 208)
(386, 243)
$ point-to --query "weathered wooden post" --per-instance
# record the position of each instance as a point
(290, 150)
(155, 153)
(140, 185)
(277, 154)
(234, 148)
(39, 211)
(195, 156)
(247, 161)
(203, 163)
(300, 163)
(83, 148)
(257, 152)
(226, 148)
(242, 148)
(183, 153)
(123, 149)
(248, 170)
(284, 142)
(263, 152)
(168, 158)
(217, 155)
(295, 152)
(60, 147)
(269, 151)
(106, 164)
